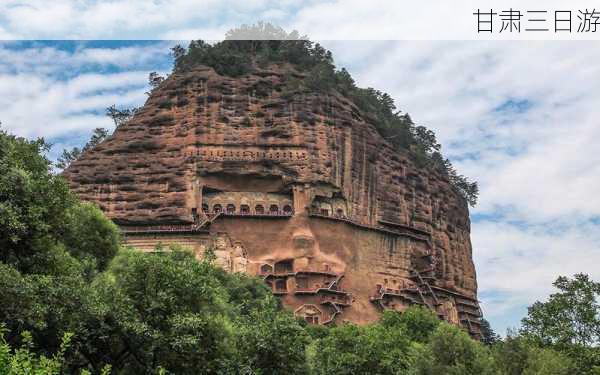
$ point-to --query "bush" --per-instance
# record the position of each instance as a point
(417, 322)
(23, 361)
(452, 351)
(351, 349)
(90, 235)
(518, 355)
(271, 342)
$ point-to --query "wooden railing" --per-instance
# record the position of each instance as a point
(175, 228)
(258, 214)
(407, 231)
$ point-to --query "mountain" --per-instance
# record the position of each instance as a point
(284, 169)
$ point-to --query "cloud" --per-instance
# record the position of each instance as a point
(61, 92)
(518, 265)
(331, 19)
(41, 106)
(44, 59)
(64, 19)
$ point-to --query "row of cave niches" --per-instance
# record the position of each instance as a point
(260, 210)
(323, 298)
(245, 210)
(423, 290)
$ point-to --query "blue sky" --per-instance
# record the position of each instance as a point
(519, 117)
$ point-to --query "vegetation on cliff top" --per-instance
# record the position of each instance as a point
(249, 47)
(73, 301)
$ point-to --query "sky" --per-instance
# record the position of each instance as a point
(519, 117)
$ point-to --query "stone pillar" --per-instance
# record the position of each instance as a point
(302, 198)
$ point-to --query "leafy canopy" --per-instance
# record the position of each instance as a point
(570, 316)
(98, 135)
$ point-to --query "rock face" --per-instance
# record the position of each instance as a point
(298, 188)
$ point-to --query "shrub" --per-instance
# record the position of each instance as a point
(351, 349)
(452, 351)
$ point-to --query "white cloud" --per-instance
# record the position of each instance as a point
(46, 60)
(65, 19)
(331, 19)
(337, 19)
(518, 265)
(57, 93)
(41, 106)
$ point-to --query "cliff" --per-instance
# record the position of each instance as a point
(268, 172)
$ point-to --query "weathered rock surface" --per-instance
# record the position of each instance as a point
(299, 188)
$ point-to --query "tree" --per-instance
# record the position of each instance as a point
(40, 220)
(44, 232)
(452, 351)
(154, 80)
(33, 205)
(518, 355)
(571, 316)
(90, 236)
(569, 322)
(98, 135)
(168, 309)
(69, 156)
(23, 361)
(417, 322)
(177, 52)
(120, 116)
(271, 342)
(488, 336)
(351, 349)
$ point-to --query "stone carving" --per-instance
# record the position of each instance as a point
(224, 153)
(287, 177)
(448, 309)
(230, 256)
(239, 258)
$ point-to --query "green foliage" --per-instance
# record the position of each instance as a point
(383, 348)
(154, 80)
(249, 46)
(168, 309)
(351, 349)
(69, 156)
(547, 362)
(569, 322)
(518, 355)
(417, 322)
(571, 316)
(41, 223)
(23, 361)
(90, 235)
(120, 115)
(451, 351)
(246, 294)
(271, 342)
(488, 336)
(33, 204)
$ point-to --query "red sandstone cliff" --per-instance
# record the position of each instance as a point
(201, 130)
